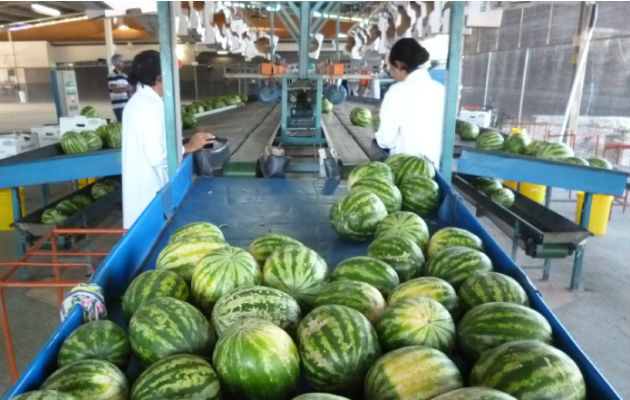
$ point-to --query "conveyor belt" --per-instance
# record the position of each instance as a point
(364, 137)
(342, 141)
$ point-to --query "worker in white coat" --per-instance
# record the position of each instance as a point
(144, 165)
(412, 110)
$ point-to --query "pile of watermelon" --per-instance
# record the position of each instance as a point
(68, 207)
(74, 142)
(189, 111)
(494, 189)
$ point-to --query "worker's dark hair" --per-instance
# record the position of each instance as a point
(145, 68)
(408, 54)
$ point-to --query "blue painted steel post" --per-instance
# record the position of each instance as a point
(17, 214)
(273, 49)
(304, 37)
(337, 29)
(453, 67)
(586, 210)
(170, 82)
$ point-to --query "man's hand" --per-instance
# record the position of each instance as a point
(197, 141)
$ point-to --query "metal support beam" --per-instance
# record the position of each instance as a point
(109, 43)
(337, 30)
(304, 39)
(485, 89)
(272, 49)
(523, 83)
(320, 24)
(288, 23)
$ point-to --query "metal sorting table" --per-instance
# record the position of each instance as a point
(250, 207)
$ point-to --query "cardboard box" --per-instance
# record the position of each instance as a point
(481, 118)
(15, 143)
(46, 134)
(79, 123)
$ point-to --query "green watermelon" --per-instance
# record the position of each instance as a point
(418, 321)
(488, 287)
(468, 131)
(374, 170)
(413, 165)
(151, 284)
(82, 200)
(490, 140)
(395, 162)
(369, 270)
(244, 98)
(189, 121)
(101, 340)
(205, 230)
(52, 216)
(89, 111)
(327, 106)
(100, 189)
(262, 246)
(413, 372)
(256, 360)
(386, 191)
(319, 396)
(165, 326)
(455, 264)
(554, 151)
(355, 215)
(182, 376)
(400, 253)
(576, 161)
(337, 346)
(182, 256)
(535, 147)
(44, 395)
(420, 195)
(298, 271)
(427, 286)
(73, 143)
(94, 142)
(491, 324)
(220, 271)
(361, 296)
(67, 207)
(259, 302)
(114, 135)
(517, 143)
(101, 131)
(530, 370)
(599, 162)
(474, 393)
(360, 116)
(89, 380)
(405, 224)
(503, 196)
(452, 236)
(487, 185)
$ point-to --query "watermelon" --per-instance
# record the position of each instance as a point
(395, 162)
(576, 161)
(375, 170)
(101, 131)
(67, 207)
(52, 216)
(516, 143)
(420, 195)
(361, 296)
(114, 135)
(468, 131)
(360, 116)
(165, 326)
(530, 370)
(487, 185)
(89, 380)
(101, 340)
(386, 191)
(554, 151)
(427, 286)
(182, 256)
(337, 346)
(220, 271)
(205, 230)
(488, 287)
(94, 142)
(327, 106)
(455, 264)
(400, 253)
(406, 224)
(182, 376)
(151, 284)
(319, 396)
(298, 271)
(490, 140)
(599, 162)
(244, 98)
(413, 372)
(100, 189)
(82, 200)
(355, 215)
(418, 321)
(189, 121)
(256, 360)
(414, 165)
(73, 143)
(503, 196)
(535, 147)
(474, 393)
(262, 246)
(452, 236)
(259, 302)
(89, 111)
(44, 395)
(491, 324)
(369, 270)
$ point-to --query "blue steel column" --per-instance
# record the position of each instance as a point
(453, 67)
(304, 38)
(273, 49)
(20, 246)
(169, 82)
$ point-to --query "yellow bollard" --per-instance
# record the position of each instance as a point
(600, 210)
(6, 208)
(534, 192)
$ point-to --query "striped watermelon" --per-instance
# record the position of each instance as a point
(101, 188)
(262, 246)
(298, 271)
(420, 195)
(474, 393)
(89, 111)
(517, 143)
(417, 321)
(197, 230)
(89, 380)
(369, 270)
(101, 131)
(165, 326)
(599, 162)
(259, 302)
(94, 142)
(374, 170)
(151, 284)
(490, 140)
(503, 196)
(555, 150)
(576, 161)
(406, 224)
(319, 396)
(530, 370)
(452, 236)
(535, 147)
(182, 376)
(355, 215)
(337, 346)
(396, 161)
(412, 166)
(101, 340)
(256, 360)
(491, 324)
(82, 200)
(427, 286)
(220, 271)
(67, 207)
(468, 131)
(73, 143)
(361, 296)
(487, 185)
(413, 372)
(114, 135)
(182, 256)
(44, 395)
(386, 191)
(52, 216)
(455, 264)
(400, 253)
(488, 287)
(360, 116)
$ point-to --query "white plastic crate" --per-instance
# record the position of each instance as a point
(79, 123)
(15, 143)
(46, 134)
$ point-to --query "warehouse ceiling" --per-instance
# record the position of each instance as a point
(23, 11)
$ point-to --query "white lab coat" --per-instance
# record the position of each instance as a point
(144, 165)
(411, 117)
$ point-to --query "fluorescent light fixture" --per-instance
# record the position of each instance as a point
(42, 9)
(222, 53)
(123, 27)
